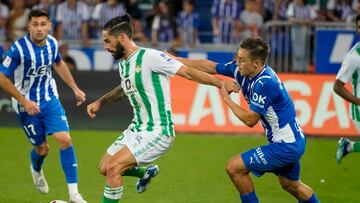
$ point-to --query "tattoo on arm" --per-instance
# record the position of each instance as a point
(114, 95)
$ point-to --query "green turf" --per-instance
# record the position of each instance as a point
(191, 172)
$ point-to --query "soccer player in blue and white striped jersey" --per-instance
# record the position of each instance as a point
(271, 105)
(28, 64)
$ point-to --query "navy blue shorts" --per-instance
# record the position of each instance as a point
(50, 120)
(279, 158)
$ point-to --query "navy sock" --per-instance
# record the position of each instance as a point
(36, 160)
(249, 198)
(69, 164)
(313, 199)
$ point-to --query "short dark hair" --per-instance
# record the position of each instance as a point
(120, 24)
(38, 13)
(258, 48)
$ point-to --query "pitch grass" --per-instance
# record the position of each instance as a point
(191, 172)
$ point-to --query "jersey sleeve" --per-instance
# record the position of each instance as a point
(11, 62)
(228, 69)
(163, 64)
(348, 67)
(264, 92)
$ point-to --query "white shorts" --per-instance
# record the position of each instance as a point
(357, 125)
(145, 146)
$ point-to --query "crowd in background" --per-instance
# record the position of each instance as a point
(175, 21)
(182, 23)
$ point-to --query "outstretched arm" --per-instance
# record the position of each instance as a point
(339, 88)
(64, 73)
(30, 107)
(205, 78)
(114, 95)
(199, 64)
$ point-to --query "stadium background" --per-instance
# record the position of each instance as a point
(193, 170)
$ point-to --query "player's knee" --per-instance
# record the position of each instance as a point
(102, 169)
(113, 169)
(42, 149)
(65, 143)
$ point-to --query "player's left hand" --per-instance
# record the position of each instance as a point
(231, 86)
(80, 97)
(223, 92)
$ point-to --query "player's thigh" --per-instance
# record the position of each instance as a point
(236, 165)
(289, 184)
(54, 118)
(33, 128)
(120, 161)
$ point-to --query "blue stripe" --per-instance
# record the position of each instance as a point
(44, 78)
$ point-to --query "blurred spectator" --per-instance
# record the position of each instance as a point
(72, 18)
(188, 24)
(301, 15)
(251, 19)
(17, 23)
(164, 25)
(104, 12)
(50, 7)
(267, 8)
(4, 15)
(340, 10)
(70, 62)
(280, 9)
(132, 8)
(226, 21)
(352, 18)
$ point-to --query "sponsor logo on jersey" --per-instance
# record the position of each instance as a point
(258, 100)
(137, 69)
(166, 57)
(7, 62)
(40, 71)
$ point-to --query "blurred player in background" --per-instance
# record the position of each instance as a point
(271, 105)
(28, 64)
(144, 79)
(350, 72)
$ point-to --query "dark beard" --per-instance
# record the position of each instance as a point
(120, 52)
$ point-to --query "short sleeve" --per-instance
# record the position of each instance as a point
(348, 67)
(11, 62)
(163, 64)
(264, 92)
(228, 69)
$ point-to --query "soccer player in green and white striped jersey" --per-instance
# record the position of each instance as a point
(144, 75)
(350, 72)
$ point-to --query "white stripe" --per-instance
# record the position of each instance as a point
(56, 45)
(33, 61)
(47, 82)
(41, 77)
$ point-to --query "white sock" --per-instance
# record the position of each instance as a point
(350, 147)
(73, 188)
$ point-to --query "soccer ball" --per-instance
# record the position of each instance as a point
(57, 201)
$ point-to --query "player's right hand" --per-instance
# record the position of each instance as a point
(93, 108)
(31, 107)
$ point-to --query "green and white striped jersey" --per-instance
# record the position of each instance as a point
(350, 72)
(145, 80)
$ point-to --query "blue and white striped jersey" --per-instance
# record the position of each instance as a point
(29, 67)
(267, 96)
